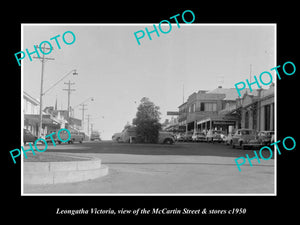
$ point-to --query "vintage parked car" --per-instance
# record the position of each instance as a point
(222, 136)
(128, 135)
(54, 137)
(95, 136)
(198, 136)
(166, 138)
(85, 137)
(214, 136)
(242, 138)
(116, 137)
(263, 138)
(76, 136)
(266, 137)
(28, 136)
(228, 139)
(187, 137)
(180, 137)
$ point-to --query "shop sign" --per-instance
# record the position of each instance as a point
(172, 113)
(229, 123)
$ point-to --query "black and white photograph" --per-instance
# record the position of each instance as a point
(160, 116)
(139, 112)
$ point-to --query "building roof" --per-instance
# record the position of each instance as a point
(34, 119)
(182, 104)
(30, 98)
(231, 93)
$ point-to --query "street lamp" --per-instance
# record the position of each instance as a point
(74, 74)
(43, 93)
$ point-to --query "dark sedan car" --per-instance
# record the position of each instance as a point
(28, 136)
(243, 138)
(266, 137)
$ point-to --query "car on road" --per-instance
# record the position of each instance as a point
(263, 138)
(242, 138)
(198, 136)
(219, 136)
(54, 137)
(95, 136)
(180, 137)
(116, 137)
(214, 136)
(85, 138)
(187, 137)
(28, 136)
(166, 138)
(228, 139)
(129, 136)
(266, 137)
(76, 136)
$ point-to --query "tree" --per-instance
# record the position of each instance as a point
(147, 121)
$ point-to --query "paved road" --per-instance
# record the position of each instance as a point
(183, 168)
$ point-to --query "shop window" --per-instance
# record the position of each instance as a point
(202, 106)
(210, 107)
(267, 117)
(254, 119)
(247, 119)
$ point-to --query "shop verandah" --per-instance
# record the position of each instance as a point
(31, 123)
(226, 125)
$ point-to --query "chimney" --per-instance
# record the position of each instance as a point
(259, 92)
(219, 86)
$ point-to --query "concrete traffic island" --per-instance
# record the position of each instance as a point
(55, 168)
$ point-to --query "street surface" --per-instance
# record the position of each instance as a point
(183, 168)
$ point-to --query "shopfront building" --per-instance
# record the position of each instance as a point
(202, 110)
(222, 109)
(256, 111)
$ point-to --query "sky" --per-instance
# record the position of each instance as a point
(117, 72)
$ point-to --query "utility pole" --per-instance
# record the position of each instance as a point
(82, 121)
(69, 95)
(250, 71)
(42, 83)
(88, 119)
(92, 127)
